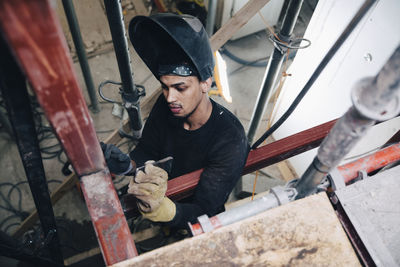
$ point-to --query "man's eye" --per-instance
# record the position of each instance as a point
(180, 88)
(164, 87)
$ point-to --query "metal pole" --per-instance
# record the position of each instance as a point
(80, 51)
(273, 67)
(17, 101)
(374, 99)
(212, 10)
(130, 93)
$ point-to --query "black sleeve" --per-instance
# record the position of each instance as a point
(149, 144)
(224, 168)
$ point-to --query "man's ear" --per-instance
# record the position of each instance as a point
(206, 85)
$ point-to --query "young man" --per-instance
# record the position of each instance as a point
(184, 123)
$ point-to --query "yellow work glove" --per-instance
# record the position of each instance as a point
(165, 212)
(149, 187)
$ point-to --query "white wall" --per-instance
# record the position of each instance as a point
(378, 34)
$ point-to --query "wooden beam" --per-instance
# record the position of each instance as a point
(236, 22)
(305, 232)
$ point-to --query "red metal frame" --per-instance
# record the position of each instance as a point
(33, 32)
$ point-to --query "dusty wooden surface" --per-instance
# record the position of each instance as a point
(302, 233)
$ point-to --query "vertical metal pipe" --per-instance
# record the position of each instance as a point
(374, 99)
(212, 10)
(80, 51)
(130, 93)
(273, 67)
(12, 83)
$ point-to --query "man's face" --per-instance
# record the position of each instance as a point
(183, 94)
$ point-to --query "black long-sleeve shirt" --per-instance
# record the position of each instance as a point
(220, 147)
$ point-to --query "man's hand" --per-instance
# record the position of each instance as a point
(149, 187)
(118, 163)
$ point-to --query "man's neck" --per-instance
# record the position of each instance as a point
(200, 115)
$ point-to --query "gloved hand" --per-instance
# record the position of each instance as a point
(118, 163)
(149, 187)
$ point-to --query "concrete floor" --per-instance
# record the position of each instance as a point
(71, 209)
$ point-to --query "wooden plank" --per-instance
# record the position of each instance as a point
(138, 237)
(285, 171)
(305, 232)
(236, 22)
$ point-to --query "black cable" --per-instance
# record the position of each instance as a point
(332, 51)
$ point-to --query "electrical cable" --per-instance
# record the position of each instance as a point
(332, 51)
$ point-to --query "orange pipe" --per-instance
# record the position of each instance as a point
(370, 163)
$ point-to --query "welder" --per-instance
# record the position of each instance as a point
(184, 123)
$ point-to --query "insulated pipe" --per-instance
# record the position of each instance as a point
(130, 93)
(278, 196)
(80, 51)
(273, 67)
(374, 99)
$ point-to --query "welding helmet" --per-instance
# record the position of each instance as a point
(169, 40)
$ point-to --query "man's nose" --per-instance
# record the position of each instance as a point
(171, 95)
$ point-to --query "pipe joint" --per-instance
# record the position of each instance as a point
(368, 104)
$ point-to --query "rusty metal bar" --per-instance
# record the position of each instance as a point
(33, 32)
(370, 163)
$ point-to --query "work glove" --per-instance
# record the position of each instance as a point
(149, 188)
(118, 163)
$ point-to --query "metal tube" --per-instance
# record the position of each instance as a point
(81, 53)
(212, 10)
(273, 67)
(130, 93)
(16, 97)
(247, 210)
(374, 99)
(377, 160)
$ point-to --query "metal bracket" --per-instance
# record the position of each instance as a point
(336, 179)
(283, 194)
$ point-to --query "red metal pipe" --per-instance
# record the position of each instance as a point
(370, 163)
(34, 34)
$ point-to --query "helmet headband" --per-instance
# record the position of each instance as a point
(182, 69)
